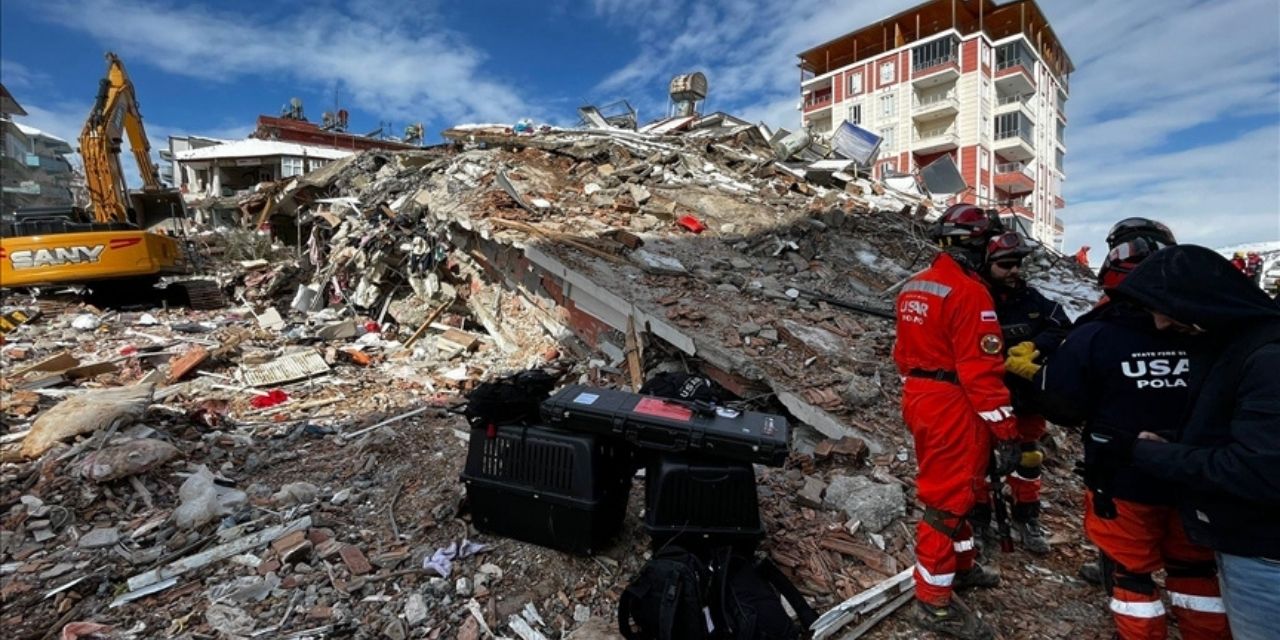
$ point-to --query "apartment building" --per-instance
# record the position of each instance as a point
(34, 170)
(982, 81)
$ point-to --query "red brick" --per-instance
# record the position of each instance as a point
(355, 560)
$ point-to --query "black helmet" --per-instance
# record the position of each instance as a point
(1131, 228)
(965, 225)
(1009, 244)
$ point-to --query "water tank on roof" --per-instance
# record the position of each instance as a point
(689, 87)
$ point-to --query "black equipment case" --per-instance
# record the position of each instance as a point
(693, 502)
(549, 487)
(659, 424)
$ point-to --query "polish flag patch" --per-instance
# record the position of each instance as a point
(989, 316)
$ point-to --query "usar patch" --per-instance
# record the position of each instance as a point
(991, 344)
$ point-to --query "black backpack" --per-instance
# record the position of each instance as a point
(677, 596)
(665, 601)
(682, 386)
(513, 399)
(745, 604)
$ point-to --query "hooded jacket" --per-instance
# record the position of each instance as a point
(1227, 457)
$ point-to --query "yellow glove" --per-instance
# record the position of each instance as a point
(1022, 364)
(1023, 349)
(1031, 459)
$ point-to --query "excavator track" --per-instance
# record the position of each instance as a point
(201, 295)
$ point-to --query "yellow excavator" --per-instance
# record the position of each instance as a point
(123, 245)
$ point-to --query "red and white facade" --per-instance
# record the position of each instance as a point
(990, 100)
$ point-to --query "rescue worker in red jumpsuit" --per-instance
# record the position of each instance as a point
(1116, 372)
(1026, 316)
(955, 402)
(1238, 261)
(1253, 266)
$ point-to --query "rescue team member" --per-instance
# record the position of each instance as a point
(955, 403)
(1126, 230)
(1025, 315)
(1225, 463)
(1115, 373)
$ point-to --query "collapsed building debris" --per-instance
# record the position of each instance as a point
(288, 467)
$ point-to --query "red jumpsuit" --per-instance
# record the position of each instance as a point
(950, 350)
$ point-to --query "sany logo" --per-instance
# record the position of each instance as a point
(56, 256)
(1157, 373)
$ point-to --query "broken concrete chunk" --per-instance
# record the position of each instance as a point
(86, 413)
(748, 329)
(98, 538)
(811, 494)
(296, 493)
(126, 459)
(874, 505)
(862, 390)
(658, 263)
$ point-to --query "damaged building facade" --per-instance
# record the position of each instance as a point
(34, 165)
(981, 81)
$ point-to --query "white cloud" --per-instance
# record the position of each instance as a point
(1150, 77)
(391, 58)
(17, 77)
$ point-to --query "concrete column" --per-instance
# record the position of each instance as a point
(216, 178)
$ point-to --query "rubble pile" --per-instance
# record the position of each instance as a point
(288, 467)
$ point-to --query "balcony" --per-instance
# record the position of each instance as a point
(1015, 177)
(935, 63)
(816, 101)
(1014, 144)
(1015, 103)
(1023, 212)
(935, 140)
(1015, 68)
(935, 106)
(1059, 202)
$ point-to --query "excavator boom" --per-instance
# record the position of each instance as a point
(115, 244)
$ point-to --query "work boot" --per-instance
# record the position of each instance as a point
(984, 537)
(1091, 572)
(977, 577)
(1033, 538)
(955, 619)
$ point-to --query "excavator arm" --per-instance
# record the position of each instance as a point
(115, 115)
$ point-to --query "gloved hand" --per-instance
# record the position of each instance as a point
(1021, 360)
(1112, 448)
(1005, 457)
(1030, 458)
(1023, 349)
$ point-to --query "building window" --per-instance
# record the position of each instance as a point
(855, 114)
(982, 160)
(290, 166)
(887, 105)
(886, 136)
(316, 163)
(934, 53)
(886, 72)
(855, 84)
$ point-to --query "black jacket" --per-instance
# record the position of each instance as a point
(1025, 315)
(1116, 371)
(1227, 458)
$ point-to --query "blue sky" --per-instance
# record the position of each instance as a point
(1174, 109)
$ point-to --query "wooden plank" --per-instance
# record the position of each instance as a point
(220, 552)
(426, 323)
(59, 362)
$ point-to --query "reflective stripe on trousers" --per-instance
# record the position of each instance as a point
(941, 580)
(1207, 604)
(1153, 609)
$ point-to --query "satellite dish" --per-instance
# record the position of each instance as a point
(943, 176)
